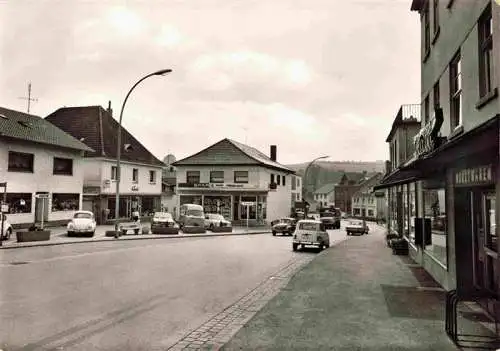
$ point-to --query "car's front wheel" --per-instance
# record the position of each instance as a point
(274, 233)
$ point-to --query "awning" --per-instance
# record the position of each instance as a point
(398, 177)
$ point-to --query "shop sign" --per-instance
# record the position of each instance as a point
(231, 185)
(426, 139)
(135, 188)
(4, 208)
(474, 176)
(91, 190)
(194, 185)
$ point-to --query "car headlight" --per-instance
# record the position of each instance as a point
(89, 226)
(70, 225)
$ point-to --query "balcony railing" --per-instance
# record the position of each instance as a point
(409, 111)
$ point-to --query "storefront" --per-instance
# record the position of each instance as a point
(235, 202)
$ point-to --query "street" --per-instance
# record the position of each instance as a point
(130, 295)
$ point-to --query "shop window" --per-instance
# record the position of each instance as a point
(370, 213)
(294, 183)
(241, 176)
(406, 227)
(152, 177)
(147, 207)
(63, 166)
(218, 204)
(190, 199)
(252, 210)
(19, 202)
(20, 162)
(357, 212)
(435, 210)
(65, 202)
(193, 177)
(412, 211)
(216, 176)
(278, 179)
(135, 175)
(490, 222)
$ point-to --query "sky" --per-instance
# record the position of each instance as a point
(314, 77)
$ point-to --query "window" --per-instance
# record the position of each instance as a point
(20, 162)
(412, 210)
(435, 19)
(436, 95)
(456, 91)
(370, 213)
(216, 176)
(63, 166)
(298, 197)
(272, 178)
(284, 180)
(298, 182)
(427, 30)
(435, 211)
(426, 109)
(485, 53)
(294, 183)
(241, 176)
(19, 202)
(114, 173)
(65, 202)
(135, 175)
(193, 177)
(278, 179)
(152, 177)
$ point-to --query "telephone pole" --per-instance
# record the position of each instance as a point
(29, 98)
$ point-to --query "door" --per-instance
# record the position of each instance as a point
(41, 207)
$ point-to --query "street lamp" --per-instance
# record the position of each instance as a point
(118, 144)
(303, 187)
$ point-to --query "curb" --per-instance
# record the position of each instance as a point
(112, 239)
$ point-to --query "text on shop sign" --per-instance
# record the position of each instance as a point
(476, 175)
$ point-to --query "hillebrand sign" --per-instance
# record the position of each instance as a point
(217, 185)
(473, 176)
(426, 139)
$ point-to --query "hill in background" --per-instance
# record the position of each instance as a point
(324, 172)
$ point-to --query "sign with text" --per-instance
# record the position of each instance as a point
(247, 203)
(194, 185)
(135, 188)
(4, 208)
(427, 138)
(474, 176)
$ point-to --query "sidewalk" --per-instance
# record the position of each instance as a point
(353, 296)
(59, 236)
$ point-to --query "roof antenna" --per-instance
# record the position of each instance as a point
(29, 98)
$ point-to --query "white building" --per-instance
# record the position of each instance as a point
(227, 175)
(365, 202)
(36, 158)
(141, 171)
(296, 191)
(325, 196)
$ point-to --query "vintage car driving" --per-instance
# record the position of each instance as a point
(285, 226)
(163, 223)
(355, 226)
(310, 232)
(7, 228)
(330, 218)
(82, 223)
(213, 220)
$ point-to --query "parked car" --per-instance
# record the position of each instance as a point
(163, 223)
(191, 215)
(216, 220)
(7, 228)
(285, 226)
(310, 232)
(82, 223)
(356, 227)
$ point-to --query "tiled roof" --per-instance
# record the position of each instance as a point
(100, 131)
(230, 152)
(369, 183)
(23, 126)
(326, 189)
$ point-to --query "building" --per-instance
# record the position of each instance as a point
(169, 198)
(237, 181)
(296, 193)
(453, 174)
(347, 186)
(365, 202)
(325, 196)
(141, 171)
(37, 158)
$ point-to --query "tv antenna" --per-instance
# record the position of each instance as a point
(29, 98)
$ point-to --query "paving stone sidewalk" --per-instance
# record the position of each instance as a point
(354, 296)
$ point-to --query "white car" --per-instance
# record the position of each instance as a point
(216, 220)
(7, 228)
(163, 223)
(82, 223)
(310, 232)
(356, 227)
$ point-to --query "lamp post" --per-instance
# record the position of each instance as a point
(305, 177)
(119, 141)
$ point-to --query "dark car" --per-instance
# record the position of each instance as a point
(330, 219)
(285, 226)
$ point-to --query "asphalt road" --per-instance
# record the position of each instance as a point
(137, 295)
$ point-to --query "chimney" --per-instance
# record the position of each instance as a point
(273, 153)
(110, 110)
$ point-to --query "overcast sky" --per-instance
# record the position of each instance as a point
(314, 77)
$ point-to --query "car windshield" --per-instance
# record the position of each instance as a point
(285, 220)
(195, 213)
(327, 214)
(216, 216)
(162, 215)
(309, 226)
(356, 223)
(83, 215)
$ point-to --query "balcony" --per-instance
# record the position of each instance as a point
(410, 112)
